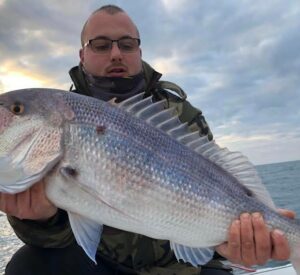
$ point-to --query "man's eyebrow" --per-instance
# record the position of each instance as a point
(105, 37)
(100, 37)
(126, 36)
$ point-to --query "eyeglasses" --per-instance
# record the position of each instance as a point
(104, 45)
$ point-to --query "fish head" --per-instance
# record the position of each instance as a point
(31, 128)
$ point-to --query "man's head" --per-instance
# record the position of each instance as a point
(110, 23)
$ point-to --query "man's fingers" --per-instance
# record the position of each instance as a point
(8, 203)
(38, 187)
(250, 241)
(288, 213)
(22, 204)
(231, 250)
(262, 239)
(247, 240)
(41, 207)
(234, 242)
(38, 193)
(30, 204)
(281, 249)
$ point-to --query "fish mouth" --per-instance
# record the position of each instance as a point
(12, 172)
(20, 168)
(14, 178)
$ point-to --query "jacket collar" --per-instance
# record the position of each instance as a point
(81, 86)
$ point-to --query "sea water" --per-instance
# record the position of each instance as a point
(283, 182)
(281, 179)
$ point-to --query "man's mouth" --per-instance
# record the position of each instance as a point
(117, 71)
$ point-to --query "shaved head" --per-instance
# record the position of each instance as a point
(109, 9)
(112, 23)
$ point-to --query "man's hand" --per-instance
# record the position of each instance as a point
(31, 204)
(251, 243)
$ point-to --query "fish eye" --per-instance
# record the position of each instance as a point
(17, 108)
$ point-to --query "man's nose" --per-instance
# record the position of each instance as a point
(115, 53)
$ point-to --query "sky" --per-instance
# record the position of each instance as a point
(238, 60)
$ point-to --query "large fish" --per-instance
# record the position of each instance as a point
(131, 166)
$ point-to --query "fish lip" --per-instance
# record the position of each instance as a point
(13, 185)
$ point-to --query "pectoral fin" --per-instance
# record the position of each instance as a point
(195, 256)
(87, 233)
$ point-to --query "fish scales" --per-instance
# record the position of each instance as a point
(132, 161)
(185, 175)
(131, 175)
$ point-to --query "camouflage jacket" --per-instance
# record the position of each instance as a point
(129, 252)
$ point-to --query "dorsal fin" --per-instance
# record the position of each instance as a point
(166, 119)
(131, 100)
(168, 124)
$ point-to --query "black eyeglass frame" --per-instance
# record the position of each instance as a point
(88, 43)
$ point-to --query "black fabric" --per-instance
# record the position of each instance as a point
(31, 260)
(82, 86)
(211, 271)
(121, 88)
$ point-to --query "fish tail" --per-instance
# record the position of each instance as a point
(295, 256)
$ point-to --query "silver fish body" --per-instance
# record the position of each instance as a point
(132, 167)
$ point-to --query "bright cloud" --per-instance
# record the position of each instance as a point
(16, 81)
(168, 65)
(172, 5)
(13, 78)
(1, 87)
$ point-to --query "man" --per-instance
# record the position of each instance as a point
(111, 66)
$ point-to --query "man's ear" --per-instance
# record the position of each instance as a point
(141, 52)
(81, 55)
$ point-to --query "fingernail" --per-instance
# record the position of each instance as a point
(279, 232)
(237, 222)
(257, 216)
(245, 216)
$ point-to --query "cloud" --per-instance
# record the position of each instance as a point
(1, 87)
(174, 5)
(239, 62)
(15, 77)
(38, 36)
(264, 149)
(169, 65)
